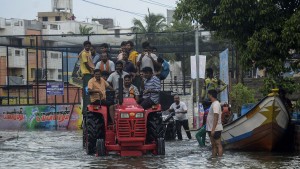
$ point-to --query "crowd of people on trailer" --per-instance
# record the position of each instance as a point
(141, 74)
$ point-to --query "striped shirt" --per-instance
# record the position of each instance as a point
(152, 84)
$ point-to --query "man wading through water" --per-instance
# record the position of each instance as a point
(214, 124)
(180, 110)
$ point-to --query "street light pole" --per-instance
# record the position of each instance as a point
(197, 73)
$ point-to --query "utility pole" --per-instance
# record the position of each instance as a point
(197, 73)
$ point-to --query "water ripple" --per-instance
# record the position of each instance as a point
(63, 149)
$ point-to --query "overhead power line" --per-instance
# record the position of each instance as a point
(156, 3)
(161, 3)
(134, 13)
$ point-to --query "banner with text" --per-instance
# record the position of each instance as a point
(41, 117)
(224, 75)
(202, 64)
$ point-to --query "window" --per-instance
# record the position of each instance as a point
(16, 42)
(60, 70)
(51, 75)
(48, 43)
(32, 42)
(9, 52)
(7, 22)
(44, 26)
(43, 54)
(45, 18)
(17, 53)
(32, 73)
(54, 55)
(59, 76)
(57, 18)
(16, 23)
(53, 26)
(117, 33)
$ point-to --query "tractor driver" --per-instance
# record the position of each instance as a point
(151, 88)
(97, 87)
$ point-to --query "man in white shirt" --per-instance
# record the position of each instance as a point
(147, 59)
(214, 124)
(105, 64)
(181, 119)
(113, 78)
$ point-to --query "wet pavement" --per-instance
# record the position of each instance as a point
(63, 149)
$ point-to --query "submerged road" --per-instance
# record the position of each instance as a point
(63, 149)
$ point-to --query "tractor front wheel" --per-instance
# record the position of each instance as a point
(100, 147)
(84, 134)
(155, 127)
(94, 130)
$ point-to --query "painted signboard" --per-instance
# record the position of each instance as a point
(41, 117)
(55, 88)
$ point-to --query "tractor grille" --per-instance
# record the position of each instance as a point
(132, 128)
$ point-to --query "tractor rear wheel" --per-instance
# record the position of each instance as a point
(155, 128)
(100, 147)
(94, 130)
(160, 146)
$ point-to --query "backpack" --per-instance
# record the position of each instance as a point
(165, 70)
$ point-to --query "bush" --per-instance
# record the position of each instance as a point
(287, 84)
(240, 95)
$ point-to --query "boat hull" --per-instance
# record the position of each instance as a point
(260, 129)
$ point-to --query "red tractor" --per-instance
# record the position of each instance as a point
(135, 131)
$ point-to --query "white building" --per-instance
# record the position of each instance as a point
(16, 33)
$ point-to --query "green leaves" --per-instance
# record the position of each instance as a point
(153, 23)
(263, 31)
(240, 95)
(287, 84)
(84, 30)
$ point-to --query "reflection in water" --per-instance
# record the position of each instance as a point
(63, 149)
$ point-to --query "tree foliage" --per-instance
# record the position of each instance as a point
(263, 31)
(239, 96)
(85, 30)
(151, 23)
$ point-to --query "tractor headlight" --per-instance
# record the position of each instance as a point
(96, 107)
(139, 115)
(124, 115)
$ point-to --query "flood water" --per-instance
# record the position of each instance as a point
(63, 149)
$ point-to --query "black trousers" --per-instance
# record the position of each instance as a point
(185, 125)
(146, 103)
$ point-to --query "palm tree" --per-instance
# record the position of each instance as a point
(84, 30)
(153, 23)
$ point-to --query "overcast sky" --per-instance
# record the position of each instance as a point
(28, 9)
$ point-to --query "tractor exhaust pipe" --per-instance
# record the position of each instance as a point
(120, 91)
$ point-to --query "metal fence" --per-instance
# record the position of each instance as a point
(28, 62)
